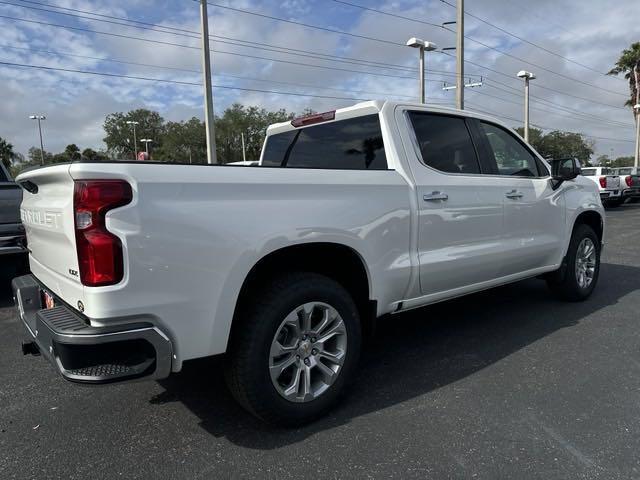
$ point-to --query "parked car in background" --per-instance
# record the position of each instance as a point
(352, 214)
(630, 182)
(12, 236)
(608, 183)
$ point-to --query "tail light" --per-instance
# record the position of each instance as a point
(629, 181)
(603, 182)
(99, 251)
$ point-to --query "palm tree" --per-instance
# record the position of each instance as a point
(629, 64)
(7, 155)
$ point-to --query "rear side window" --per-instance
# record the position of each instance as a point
(445, 143)
(353, 144)
(511, 156)
(3, 176)
(588, 172)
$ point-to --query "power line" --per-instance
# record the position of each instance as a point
(502, 52)
(239, 77)
(197, 48)
(131, 77)
(511, 34)
(499, 115)
(307, 25)
(590, 100)
(196, 35)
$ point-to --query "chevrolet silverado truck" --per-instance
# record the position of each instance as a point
(631, 186)
(609, 184)
(12, 234)
(352, 214)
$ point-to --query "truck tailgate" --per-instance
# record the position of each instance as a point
(48, 217)
(613, 182)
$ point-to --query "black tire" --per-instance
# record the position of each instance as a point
(247, 371)
(564, 282)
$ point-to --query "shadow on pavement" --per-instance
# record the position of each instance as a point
(412, 354)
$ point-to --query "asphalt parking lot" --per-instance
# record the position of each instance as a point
(509, 383)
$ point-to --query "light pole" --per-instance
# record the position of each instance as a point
(527, 77)
(460, 55)
(135, 140)
(637, 157)
(422, 46)
(208, 87)
(244, 150)
(39, 118)
(146, 142)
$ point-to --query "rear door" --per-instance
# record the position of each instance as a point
(460, 209)
(534, 214)
(10, 198)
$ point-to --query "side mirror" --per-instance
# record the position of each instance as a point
(562, 170)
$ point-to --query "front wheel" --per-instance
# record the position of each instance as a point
(577, 278)
(294, 349)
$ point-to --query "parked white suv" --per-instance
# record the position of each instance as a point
(365, 211)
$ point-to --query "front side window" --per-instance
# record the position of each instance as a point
(511, 156)
(445, 143)
(3, 176)
(352, 144)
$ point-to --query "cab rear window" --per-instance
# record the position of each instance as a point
(352, 144)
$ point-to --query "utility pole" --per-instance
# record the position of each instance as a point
(527, 76)
(460, 56)
(135, 140)
(244, 151)
(636, 107)
(208, 87)
(39, 118)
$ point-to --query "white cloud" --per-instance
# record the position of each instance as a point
(590, 32)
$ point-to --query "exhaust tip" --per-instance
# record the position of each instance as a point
(30, 348)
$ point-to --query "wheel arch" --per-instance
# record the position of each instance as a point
(334, 260)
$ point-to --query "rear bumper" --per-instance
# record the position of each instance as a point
(12, 239)
(86, 354)
(633, 192)
(605, 194)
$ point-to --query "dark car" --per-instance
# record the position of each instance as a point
(12, 237)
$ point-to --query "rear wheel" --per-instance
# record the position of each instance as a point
(294, 349)
(577, 278)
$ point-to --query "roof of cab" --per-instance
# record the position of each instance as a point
(376, 106)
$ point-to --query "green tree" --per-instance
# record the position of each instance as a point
(90, 155)
(628, 62)
(7, 155)
(34, 157)
(119, 134)
(557, 144)
(184, 142)
(623, 162)
(250, 121)
(72, 152)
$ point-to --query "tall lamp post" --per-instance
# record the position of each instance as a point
(636, 107)
(527, 76)
(135, 140)
(39, 118)
(422, 46)
(208, 87)
(146, 142)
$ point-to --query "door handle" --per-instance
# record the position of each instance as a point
(514, 194)
(434, 196)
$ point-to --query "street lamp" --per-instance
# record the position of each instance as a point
(39, 118)
(423, 46)
(527, 77)
(135, 141)
(146, 142)
(636, 107)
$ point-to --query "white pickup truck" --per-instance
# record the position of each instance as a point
(353, 214)
(609, 184)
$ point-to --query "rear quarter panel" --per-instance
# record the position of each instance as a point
(193, 233)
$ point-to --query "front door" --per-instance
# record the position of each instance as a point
(534, 214)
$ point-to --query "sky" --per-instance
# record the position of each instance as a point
(568, 45)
